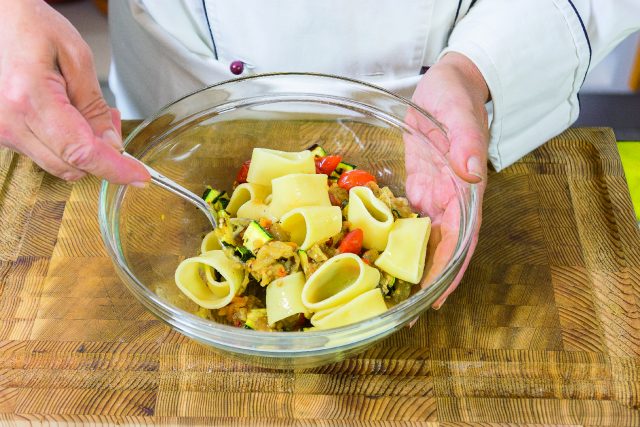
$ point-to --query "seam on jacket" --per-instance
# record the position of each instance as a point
(213, 42)
(457, 12)
(586, 36)
(575, 90)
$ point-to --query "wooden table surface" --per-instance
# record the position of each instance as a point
(544, 329)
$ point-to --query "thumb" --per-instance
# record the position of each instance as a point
(469, 139)
(76, 65)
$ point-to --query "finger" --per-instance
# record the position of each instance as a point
(456, 281)
(468, 145)
(61, 127)
(77, 67)
(116, 119)
(31, 147)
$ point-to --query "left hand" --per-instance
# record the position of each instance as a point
(454, 92)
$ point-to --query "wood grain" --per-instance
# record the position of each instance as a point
(544, 329)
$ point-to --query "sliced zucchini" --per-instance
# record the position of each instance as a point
(210, 195)
(255, 237)
(387, 283)
(344, 167)
(304, 261)
(243, 253)
(334, 176)
(256, 319)
(317, 150)
(221, 202)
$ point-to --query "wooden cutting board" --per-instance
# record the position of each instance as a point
(544, 329)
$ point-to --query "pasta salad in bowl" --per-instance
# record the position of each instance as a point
(304, 242)
(338, 222)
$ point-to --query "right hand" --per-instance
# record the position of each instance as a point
(51, 107)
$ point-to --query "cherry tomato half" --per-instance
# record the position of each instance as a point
(241, 178)
(352, 242)
(327, 164)
(355, 178)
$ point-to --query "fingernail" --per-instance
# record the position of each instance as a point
(111, 137)
(438, 304)
(139, 184)
(474, 167)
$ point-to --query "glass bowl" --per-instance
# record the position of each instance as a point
(203, 138)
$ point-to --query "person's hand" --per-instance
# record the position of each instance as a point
(51, 107)
(454, 92)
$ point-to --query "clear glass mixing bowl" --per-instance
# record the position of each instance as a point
(204, 137)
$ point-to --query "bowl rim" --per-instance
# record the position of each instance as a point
(186, 322)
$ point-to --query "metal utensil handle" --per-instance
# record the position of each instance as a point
(162, 181)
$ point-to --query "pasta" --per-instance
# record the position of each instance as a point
(210, 242)
(370, 214)
(405, 254)
(305, 241)
(266, 165)
(210, 293)
(297, 190)
(337, 281)
(245, 193)
(283, 297)
(312, 224)
(364, 306)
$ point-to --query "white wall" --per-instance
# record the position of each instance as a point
(612, 74)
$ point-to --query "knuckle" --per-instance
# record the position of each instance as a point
(95, 108)
(79, 155)
(82, 53)
(16, 92)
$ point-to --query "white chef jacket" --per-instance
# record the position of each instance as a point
(534, 55)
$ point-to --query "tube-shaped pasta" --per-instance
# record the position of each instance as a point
(406, 250)
(255, 210)
(245, 193)
(210, 293)
(370, 214)
(267, 165)
(284, 297)
(364, 306)
(298, 190)
(312, 224)
(210, 243)
(337, 281)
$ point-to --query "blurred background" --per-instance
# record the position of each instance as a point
(610, 95)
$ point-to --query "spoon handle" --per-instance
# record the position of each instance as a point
(162, 181)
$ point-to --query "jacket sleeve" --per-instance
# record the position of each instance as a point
(534, 56)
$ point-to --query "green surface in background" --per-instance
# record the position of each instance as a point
(630, 155)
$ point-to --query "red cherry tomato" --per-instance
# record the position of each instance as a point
(352, 242)
(327, 164)
(241, 178)
(355, 178)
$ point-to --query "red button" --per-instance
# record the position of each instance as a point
(237, 67)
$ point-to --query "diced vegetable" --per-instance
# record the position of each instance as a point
(352, 242)
(243, 253)
(256, 319)
(317, 150)
(355, 178)
(387, 283)
(241, 178)
(211, 195)
(255, 237)
(327, 164)
(344, 167)
(304, 261)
